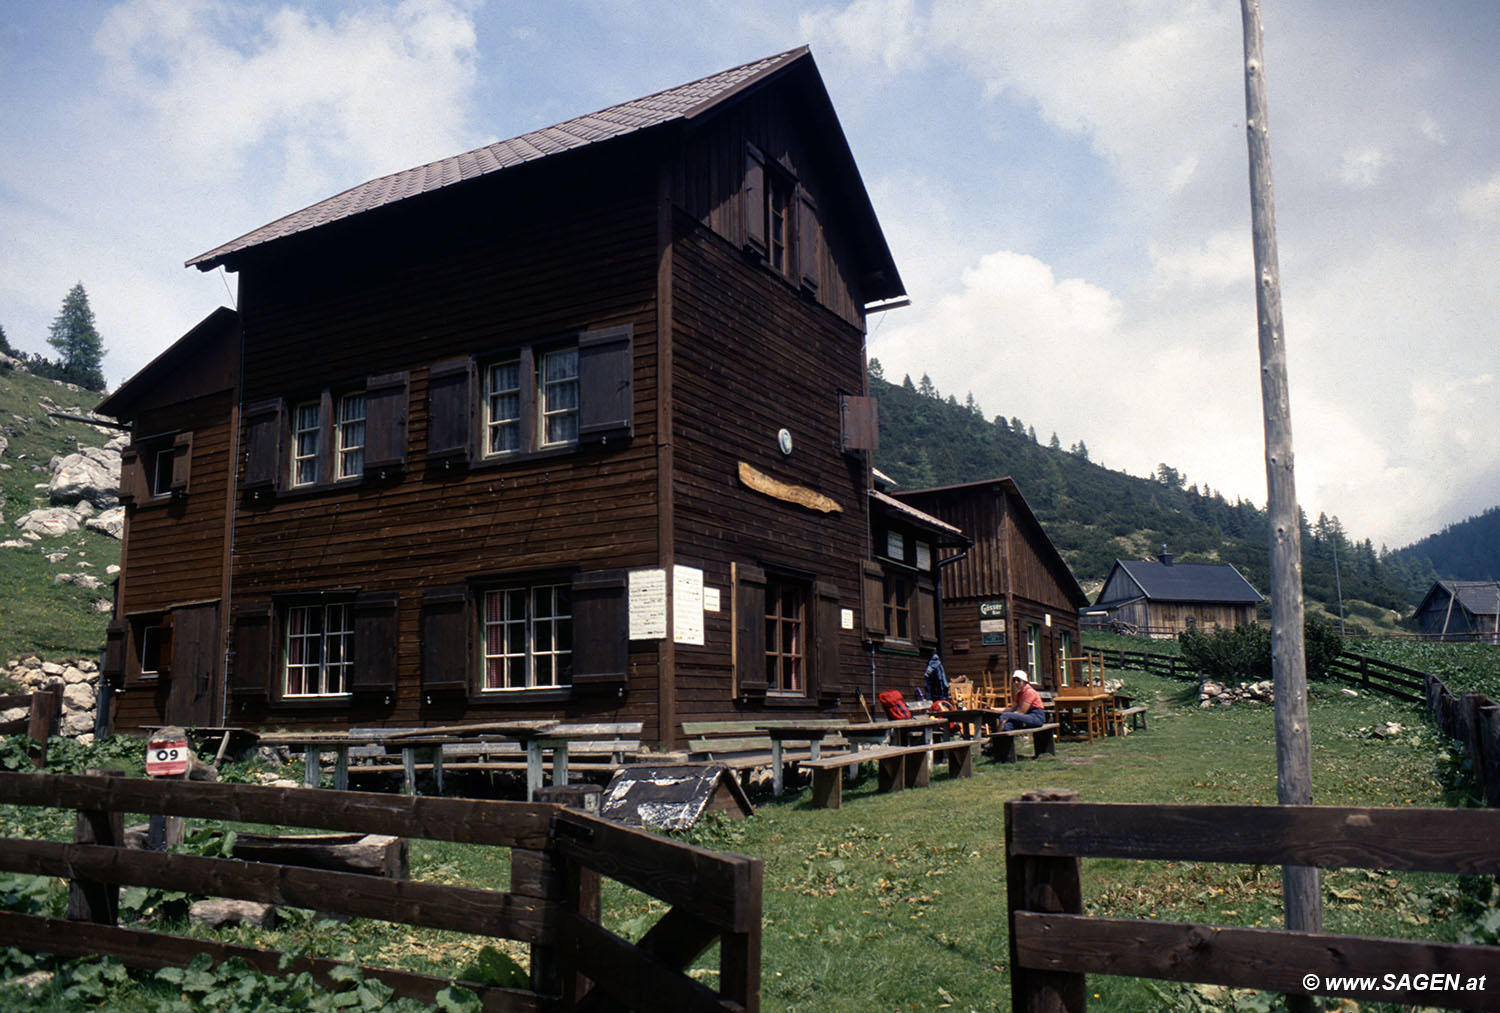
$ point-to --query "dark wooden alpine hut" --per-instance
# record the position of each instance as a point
(1010, 597)
(1460, 610)
(572, 425)
(1163, 598)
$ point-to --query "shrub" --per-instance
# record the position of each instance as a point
(1243, 654)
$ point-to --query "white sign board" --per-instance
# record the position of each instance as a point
(846, 619)
(687, 605)
(710, 599)
(648, 604)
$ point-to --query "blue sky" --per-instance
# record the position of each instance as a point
(1063, 183)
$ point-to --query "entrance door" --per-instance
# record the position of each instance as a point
(193, 693)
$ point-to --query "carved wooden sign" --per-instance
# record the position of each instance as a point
(798, 495)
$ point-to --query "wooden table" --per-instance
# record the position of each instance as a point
(1091, 702)
(536, 737)
(900, 731)
(971, 719)
(813, 733)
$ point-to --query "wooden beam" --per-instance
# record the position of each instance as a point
(1300, 886)
(1269, 959)
(798, 495)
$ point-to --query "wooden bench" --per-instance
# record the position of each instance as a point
(1043, 740)
(897, 767)
(745, 745)
(1133, 717)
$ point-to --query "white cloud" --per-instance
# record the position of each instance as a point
(1481, 201)
(1362, 167)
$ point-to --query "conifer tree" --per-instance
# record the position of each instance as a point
(5, 344)
(77, 341)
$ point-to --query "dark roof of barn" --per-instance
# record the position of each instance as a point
(1480, 597)
(121, 404)
(682, 105)
(1217, 583)
(946, 533)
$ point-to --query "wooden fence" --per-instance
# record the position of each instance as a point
(1054, 945)
(43, 718)
(1473, 719)
(558, 857)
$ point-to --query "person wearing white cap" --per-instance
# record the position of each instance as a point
(1027, 711)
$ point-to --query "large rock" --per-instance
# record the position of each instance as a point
(48, 522)
(92, 474)
(111, 522)
(218, 911)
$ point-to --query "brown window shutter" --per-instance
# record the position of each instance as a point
(375, 642)
(823, 676)
(753, 200)
(133, 487)
(264, 423)
(445, 639)
(873, 580)
(926, 632)
(600, 635)
(168, 633)
(254, 656)
(386, 410)
(605, 407)
(860, 421)
(182, 463)
(809, 250)
(451, 396)
(749, 630)
(114, 651)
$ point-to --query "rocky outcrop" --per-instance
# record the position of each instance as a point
(1219, 694)
(91, 475)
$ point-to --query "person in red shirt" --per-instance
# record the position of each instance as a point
(1027, 712)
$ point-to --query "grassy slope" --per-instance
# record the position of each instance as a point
(898, 901)
(36, 614)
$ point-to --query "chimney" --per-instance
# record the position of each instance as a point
(1165, 556)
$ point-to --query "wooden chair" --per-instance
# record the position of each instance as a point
(961, 692)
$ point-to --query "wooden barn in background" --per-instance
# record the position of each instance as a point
(574, 425)
(1460, 610)
(1164, 598)
(1010, 601)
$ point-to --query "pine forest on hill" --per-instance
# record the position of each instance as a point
(1468, 550)
(1095, 515)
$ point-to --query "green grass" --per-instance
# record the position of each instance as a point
(1462, 667)
(40, 616)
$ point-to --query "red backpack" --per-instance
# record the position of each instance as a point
(894, 704)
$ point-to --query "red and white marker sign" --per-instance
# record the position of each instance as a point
(166, 757)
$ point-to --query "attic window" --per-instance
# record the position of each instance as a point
(780, 221)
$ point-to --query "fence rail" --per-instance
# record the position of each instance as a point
(557, 859)
(1053, 945)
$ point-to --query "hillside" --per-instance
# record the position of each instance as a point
(1468, 550)
(1096, 515)
(38, 614)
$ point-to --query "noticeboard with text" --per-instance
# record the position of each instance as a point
(992, 623)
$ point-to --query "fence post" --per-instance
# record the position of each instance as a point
(1364, 672)
(42, 723)
(1051, 885)
(90, 900)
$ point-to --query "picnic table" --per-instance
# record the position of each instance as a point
(536, 738)
(1091, 703)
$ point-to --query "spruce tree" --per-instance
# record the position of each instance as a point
(77, 341)
(5, 344)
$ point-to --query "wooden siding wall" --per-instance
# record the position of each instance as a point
(711, 174)
(1010, 560)
(753, 356)
(470, 278)
(159, 571)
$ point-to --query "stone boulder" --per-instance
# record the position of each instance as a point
(92, 475)
(49, 522)
(111, 522)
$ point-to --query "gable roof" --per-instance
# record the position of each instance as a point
(214, 327)
(946, 534)
(1006, 487)
(1479, 597)
(680, 105)
(1219, 583)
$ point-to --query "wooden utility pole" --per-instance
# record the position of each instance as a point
(1300, 885)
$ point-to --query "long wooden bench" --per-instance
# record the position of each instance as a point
(744, 745)
(1043, 740)
(897, 767)
(1133, 717)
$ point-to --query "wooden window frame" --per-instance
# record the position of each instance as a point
(900, 602)
(350, 436)
(558, 623)
(298, 455)
(512, 422)
(787, 672)
(345, 663)
(780, 221)
(162, 458)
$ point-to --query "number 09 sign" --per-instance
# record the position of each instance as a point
(166, 757)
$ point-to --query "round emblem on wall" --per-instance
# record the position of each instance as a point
(784, 441)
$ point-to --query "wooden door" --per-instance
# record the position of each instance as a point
(193, 693)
